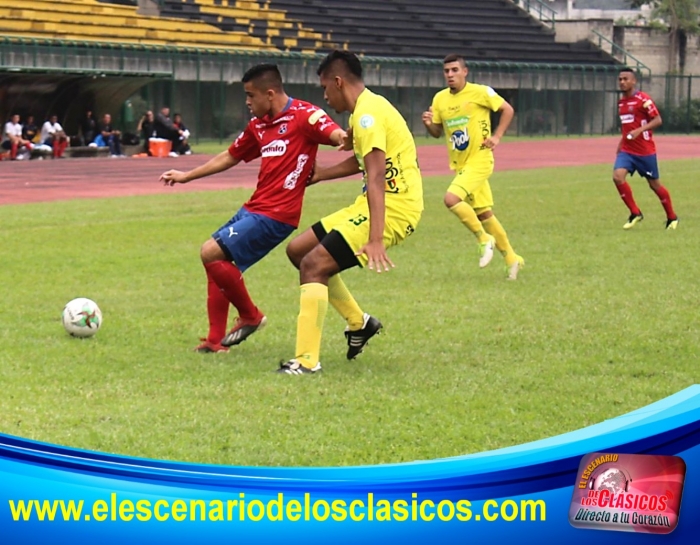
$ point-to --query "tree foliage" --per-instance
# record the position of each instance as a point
(679, 15)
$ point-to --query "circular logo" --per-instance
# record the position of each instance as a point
(460, 140)
(366, 121)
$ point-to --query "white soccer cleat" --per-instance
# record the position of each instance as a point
(486, 251)
(514, 268)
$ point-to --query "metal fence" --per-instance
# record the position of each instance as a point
(204, 86)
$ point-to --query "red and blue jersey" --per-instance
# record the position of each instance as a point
(288, 144)
(636, 111)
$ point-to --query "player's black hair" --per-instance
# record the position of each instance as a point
(454, 57)
(628, 69)
(344, 61)
(264, 76)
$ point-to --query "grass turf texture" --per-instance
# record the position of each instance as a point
(602, 321)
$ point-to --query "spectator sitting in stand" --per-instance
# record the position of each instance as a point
(166, 129)
(12, 138)
(30, 131)
(53, 135)
(88, 128)
(183, 146)
(147, 129)
(109, 136)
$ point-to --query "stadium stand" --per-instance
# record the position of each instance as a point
(96, 21)
(490, 30)
(257, 19)
(487, 30)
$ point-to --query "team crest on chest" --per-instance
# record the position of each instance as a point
(282, 129)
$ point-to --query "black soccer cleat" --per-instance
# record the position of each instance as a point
(357, 340)
(294, 367)
(241, 331)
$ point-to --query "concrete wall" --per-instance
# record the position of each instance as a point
(603, 9)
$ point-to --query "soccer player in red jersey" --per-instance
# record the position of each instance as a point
(286, 133)
(636, 152)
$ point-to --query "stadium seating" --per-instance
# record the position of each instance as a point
(269, 25)
(491, 30)
(108, 22)
(488, 30)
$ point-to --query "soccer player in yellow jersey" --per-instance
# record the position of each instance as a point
(462, 112)
(387, 211)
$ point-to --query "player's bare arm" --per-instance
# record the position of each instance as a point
(345, 168)
(507, 113)
(434, 130)
(221, 162)
(375, 166)
(346, 145)
(653, 124)
(338, 138)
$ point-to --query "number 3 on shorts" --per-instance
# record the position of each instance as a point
(358, 220)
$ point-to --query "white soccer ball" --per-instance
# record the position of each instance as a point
(82, 317)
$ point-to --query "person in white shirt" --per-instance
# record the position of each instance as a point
(12, 137)
(52, 134)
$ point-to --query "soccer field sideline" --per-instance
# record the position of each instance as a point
(43, 181)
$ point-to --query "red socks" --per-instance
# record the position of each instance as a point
(665, 199)
(229, 279)
(217, 311)
(59, 147)
(625, 192)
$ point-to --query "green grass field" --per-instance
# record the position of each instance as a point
(601, 322)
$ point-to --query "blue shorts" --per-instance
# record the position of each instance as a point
(248, 237)
(645, 165)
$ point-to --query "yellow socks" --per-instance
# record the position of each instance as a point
(343, 301)
(495, 229)
(312, 312)
(467, 216)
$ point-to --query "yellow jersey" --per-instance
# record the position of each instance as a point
(376, 123)
(466, 121)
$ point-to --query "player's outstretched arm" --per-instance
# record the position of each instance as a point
(434, 130)
(221, 162)
(348, 167)
(338, 137)
(375, 166)
(346, 144)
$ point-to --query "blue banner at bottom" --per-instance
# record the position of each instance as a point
(571, 488)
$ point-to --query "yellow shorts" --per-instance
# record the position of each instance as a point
(352, 222)
(472, 185)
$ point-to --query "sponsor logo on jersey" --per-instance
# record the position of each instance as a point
(460, 140)
(276, 148)
(626, 118)
(457, 122)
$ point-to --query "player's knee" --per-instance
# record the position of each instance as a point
(451, 199)
(315, 265)
(210, 252)
(483, 215)
(294, 253)
(619, 178)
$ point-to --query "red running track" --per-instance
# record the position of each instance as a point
(62, 179)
